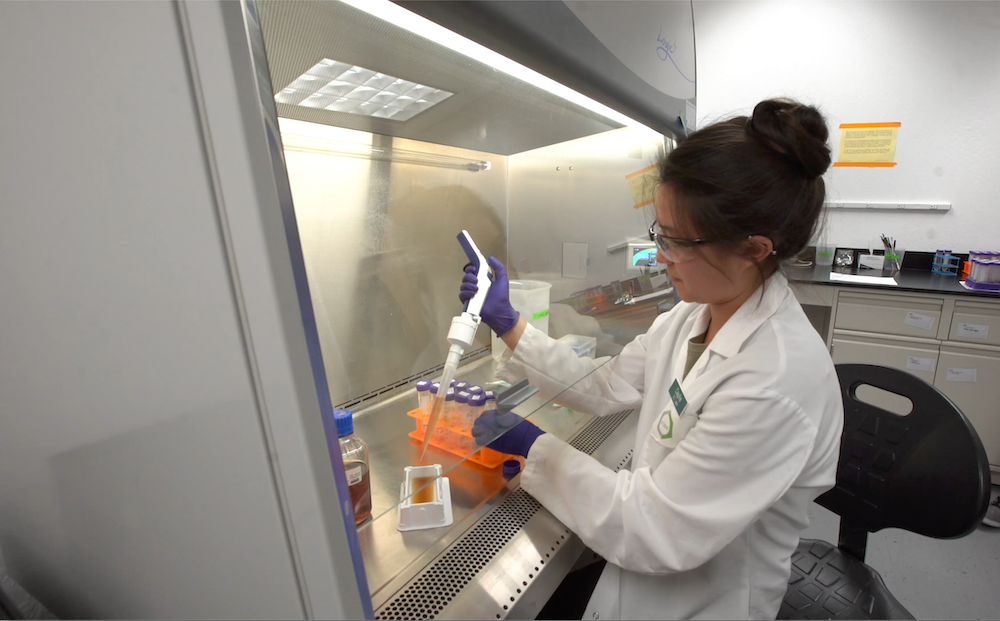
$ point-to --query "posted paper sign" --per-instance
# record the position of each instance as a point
(916, 363)
(643, 184)
(972, 330)
(919, 320)
(867, 144)
(961, 375)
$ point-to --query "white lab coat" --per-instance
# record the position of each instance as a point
(704, 524)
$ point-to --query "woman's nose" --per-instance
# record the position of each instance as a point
(660, 258)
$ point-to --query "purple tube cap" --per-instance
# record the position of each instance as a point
(510, 468)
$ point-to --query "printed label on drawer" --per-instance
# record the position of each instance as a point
(916, 363)
(919, 320)
(961, 375)
(972, 330)
(355, 472)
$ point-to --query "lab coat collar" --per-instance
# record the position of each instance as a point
(748, 318)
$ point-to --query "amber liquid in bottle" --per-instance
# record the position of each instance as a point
(359, 485)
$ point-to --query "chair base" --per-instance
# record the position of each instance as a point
(826, 583)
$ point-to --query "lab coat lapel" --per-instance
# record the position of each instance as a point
(729, 340)
(754, 312)
(727, 343)
(653, 450)
(696, 324)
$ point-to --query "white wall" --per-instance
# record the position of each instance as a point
(932, 66)
(135, 477)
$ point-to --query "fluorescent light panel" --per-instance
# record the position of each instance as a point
(341, 87)
(420, 26)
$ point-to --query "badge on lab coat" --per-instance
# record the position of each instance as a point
(677, 396)
(667, 431)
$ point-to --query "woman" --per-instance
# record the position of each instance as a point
(741, 414)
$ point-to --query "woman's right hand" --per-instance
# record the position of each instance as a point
(497, 312)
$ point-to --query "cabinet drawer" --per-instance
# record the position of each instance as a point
(898, 315)
(976, 322)
(917, 358)
(971, 378)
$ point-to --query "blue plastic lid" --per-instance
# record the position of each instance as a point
(453, 382)
(462, 397)
(510, 468)
(434, 388)
(451, 395)
(478, 400)
(423, 385)
(490, 395)
(476, 390)
(461, 385)
(345, 422)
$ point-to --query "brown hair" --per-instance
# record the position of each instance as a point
(757, 175)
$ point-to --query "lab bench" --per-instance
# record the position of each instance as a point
(505, 554)
(928, 325)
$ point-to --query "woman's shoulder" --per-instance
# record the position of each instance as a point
(792, 359)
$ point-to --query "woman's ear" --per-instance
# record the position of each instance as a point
(758, 248)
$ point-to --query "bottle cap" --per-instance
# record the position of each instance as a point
(462, 397)
(453, 382)
(461, 385)
(451, 395)
(475, 390)
(510, 468)
(434, 388)
(345, 422)
(490, 395)
(478, 400)
(423, 386)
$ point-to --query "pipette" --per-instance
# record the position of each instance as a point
(462, 331)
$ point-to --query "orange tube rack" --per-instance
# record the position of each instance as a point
(456, 440)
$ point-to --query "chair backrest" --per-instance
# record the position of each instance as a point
(926, 472)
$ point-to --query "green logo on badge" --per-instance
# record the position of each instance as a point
(677, 396)
(667, 420)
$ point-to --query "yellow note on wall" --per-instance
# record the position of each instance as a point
(867, 144)
(643, 185)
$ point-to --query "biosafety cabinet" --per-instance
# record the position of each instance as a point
(396, 135)
(279, 242)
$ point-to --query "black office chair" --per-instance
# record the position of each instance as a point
(926, 472)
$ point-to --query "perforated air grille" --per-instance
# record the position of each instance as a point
(427, 596)
(598, 431)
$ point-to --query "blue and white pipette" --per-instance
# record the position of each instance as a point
(463, 330)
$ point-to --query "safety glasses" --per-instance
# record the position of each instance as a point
(675, 249)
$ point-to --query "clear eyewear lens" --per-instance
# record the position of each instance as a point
(670, 253)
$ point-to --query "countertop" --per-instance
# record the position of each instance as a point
(918, 281)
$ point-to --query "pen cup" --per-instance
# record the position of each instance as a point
(824, 255)
(894, 259)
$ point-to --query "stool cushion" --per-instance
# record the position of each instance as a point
(829, 584)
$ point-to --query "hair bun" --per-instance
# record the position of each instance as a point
(794, 130)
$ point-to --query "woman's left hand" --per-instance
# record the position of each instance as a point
(506, 433)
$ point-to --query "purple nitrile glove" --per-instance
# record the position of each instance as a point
(497, 312)
(507, 433)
